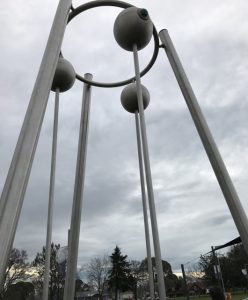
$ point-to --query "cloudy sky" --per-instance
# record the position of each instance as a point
(211, 39)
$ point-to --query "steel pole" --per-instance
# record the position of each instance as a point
(217, 270)
(143, 195)
(51, 199)
(185, 282)
(78, 195)
(220, 273)
(19, 171)
(154, 225)
(208, 142)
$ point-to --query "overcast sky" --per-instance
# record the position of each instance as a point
(211, 39)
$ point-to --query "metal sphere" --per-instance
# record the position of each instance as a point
(129, 98)
(133, 26)
(64, 76)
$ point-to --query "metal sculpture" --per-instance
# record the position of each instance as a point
(63, 80)
(129, 101)
(133, 30)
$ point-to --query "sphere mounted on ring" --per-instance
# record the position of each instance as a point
(129, 97)
(133, 26)
(64, 76)
(121, 4)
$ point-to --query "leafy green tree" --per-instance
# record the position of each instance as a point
(180, 287)
(120, 276)
(206, 265)
(171, 282)
(165, 265)
(231, 265)
(21, 291)
(16, 270)
(56, 282)
(217, 294)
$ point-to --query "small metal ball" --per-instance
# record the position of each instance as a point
(129, 98)
(133, 26)
(64, 76)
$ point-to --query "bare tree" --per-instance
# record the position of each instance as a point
(194, 272)
(195, 279)
(16, 269)
(97, 273)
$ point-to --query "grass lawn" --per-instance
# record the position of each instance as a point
(234, 297)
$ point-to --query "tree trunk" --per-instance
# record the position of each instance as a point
(116, 294)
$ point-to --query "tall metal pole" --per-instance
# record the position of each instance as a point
(154, 224)
(17, 178)
(217, 270)
(143, 195)
(78, 195)
(220, 273)
(51, 199)
(185, 282)
(211, 149)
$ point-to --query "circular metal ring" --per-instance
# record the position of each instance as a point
(121, 4)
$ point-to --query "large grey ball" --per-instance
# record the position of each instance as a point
(129, 98)
(133, 26)
(64, 76)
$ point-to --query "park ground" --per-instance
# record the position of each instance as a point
(234, 297)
